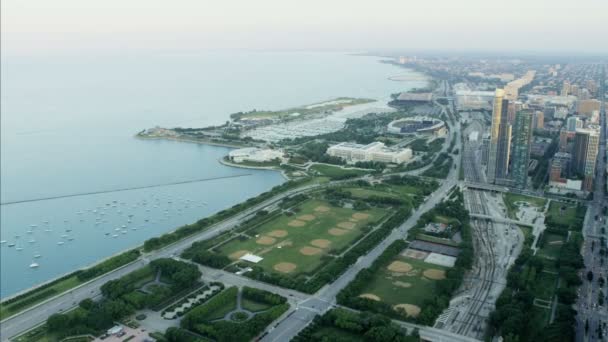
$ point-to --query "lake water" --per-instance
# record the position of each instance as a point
(68, 124)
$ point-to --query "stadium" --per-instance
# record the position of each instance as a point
(417, 125)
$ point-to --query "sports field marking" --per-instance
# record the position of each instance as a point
(402, 284)
(321, 243)
(434, 274)
(346, 224)
(399, 266)
(279, 233)
(410, 309)
(370, 296)
(307, 250)
(238, 254)
(322, 209)
(307, 217)
(360, 216)
(296, 223)
(265, 240)
(337, 231)
(285, 267)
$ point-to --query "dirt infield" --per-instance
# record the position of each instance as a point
(434, 274)
(360, 216)
(307, 250)
(265, 240)
(306, 217)
(399, 266)
(236, 255)
(321, 243)
(337, 231)
(285, 267)
(322, 209)
(415, 254)
(296, 223)
(347, 225)
(410, 309)
(278, 233)
(402, 284)
(370, 296)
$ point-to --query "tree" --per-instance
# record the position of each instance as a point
(590, 276)
(58, 322)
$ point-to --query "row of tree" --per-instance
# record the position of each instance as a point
(201, 319)
(340, 325)
(187, 230)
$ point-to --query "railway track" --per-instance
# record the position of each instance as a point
(470, 319)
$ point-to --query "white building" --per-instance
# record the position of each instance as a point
(254, 154)
(375, 151)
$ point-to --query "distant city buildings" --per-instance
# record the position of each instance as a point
(587, 107)
(376, 152)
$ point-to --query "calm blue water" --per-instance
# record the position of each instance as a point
(68, 124)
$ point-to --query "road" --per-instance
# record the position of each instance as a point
(590, 313)
(38, 314)
(298, 318)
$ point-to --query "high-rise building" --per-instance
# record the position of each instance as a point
(539, 120)
(522, 142)
(565, 88)
(573, 123)
(587, 107)
(584, 155)
(500, 139)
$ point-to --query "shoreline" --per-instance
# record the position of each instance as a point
(193, 141)
(269, 168)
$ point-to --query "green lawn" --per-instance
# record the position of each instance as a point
(545, 285)
(336, 171)
(254, 306)
(221, 311)
(552, 245)
(404, 192)
(562, 212)
(510, 200)
(38, 296)
(307, 225)
(385, 283)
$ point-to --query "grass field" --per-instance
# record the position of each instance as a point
(297, 243)
(406, 285)
(35, 297)
(336, 171)
(510, 200)
(397, 191)
(254, 306)
(552, 244)
(562, 212)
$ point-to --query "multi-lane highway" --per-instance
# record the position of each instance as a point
(592, 317)
(38, 314)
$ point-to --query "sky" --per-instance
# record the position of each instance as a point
(55, 26)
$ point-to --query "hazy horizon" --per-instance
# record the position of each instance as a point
(538, 27)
